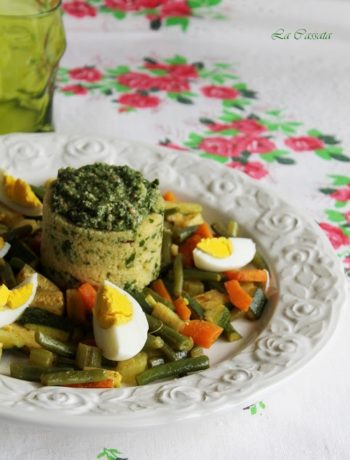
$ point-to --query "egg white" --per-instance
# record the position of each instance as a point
(10, 315)
(5, 249)
(25, 210)
(243, 252)
(123, 341)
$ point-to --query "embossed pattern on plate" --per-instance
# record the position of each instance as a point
(300, 321)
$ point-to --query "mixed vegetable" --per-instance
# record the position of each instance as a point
(188, 307)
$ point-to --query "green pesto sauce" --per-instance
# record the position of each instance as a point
(104, 197)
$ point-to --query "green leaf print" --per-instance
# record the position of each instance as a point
(335, 216)
(285, 161)
(176, 60)
(229, 116)
(340, 157)
(178, 21)
(340, 180)
(202, 3)
(217, 158)
(330, 140)
(193, 141)
(324, 154)
(340, 204)
(314, 133)
(327, 190)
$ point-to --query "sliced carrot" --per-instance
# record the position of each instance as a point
(159, 287)
(169, 196)
(204, 230)
(187, 247)
(88, 295)
(238, 296)
(257, 276)
(107, 383)
(182, 309)
(202, 332)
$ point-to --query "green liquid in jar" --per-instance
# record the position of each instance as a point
(32, 42)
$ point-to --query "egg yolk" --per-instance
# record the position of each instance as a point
(19, 296)
(4, 295)
(113, 308)
(2, 242)
(18, 191)
(216, 247)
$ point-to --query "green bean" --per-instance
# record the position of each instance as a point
(196, 351)
(176, 340)
(170, 211)
(220, 229)
(195, 306)
(232, 228)
(158, 298)
(6, 274)
(153, 342)
(74, 377)
(17, 233)
(166, 248)
(41, 357)
(236, 313)
(173, 338)
(153, 362)
(21, 250)
(217, 286)
(178, 275)
(194, 274)
(16, 263)
(183, 207)
(193, 287)
(62, 349)
(25, 371)
(173, 369)
(154, 324)
(140, 298)
(169, 353)
(259, 261)
(39, 191)
(180, 234)
(230, 333)
(63, 361)
(88, 356)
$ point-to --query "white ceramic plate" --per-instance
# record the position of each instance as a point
(299, 320)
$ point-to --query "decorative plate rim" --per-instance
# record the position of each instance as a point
(312, 291)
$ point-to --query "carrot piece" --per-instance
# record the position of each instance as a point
(238, 296)
(159, 287)
(202, 332)
(169, 196)
(107, 383)
(204, 230)
(187, 247)
(257, 276)
(182, 309)
(88, 294)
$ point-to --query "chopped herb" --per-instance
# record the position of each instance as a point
(104, 197)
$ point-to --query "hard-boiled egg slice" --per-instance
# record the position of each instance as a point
(222, 254)
(120, 325)
(13, 302)
(4, 247)
(19, 196)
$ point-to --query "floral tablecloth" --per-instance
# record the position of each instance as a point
(206, 77)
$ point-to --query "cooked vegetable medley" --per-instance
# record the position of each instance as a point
(103, 335)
